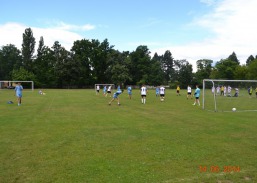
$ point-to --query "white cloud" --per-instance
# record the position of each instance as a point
(233, 25)
(11, 33)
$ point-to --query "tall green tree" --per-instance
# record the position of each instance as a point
(156, 76)
(99, 56)
(167, 64)
(119, 68)
(204, 68)
(28, 48)
(233, 58)
(10, 58)
(82, 55)
(140, 65)
(252, 68)
(249, 59)
(184, 73)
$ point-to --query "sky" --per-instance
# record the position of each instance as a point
(189, 29)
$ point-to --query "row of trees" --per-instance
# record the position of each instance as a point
(91, 61)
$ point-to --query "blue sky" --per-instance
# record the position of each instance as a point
(190, 29)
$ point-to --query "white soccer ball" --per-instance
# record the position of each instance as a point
(234, 109)
(162, 99)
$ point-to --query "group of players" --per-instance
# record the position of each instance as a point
(159, 91)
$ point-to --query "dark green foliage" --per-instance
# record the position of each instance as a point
(28, 48)
(91, 61)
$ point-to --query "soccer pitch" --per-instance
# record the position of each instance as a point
(75, 136)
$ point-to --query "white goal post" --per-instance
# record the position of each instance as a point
(12, 84)
(241, 99)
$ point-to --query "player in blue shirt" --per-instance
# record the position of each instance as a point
(18, 92)
(197, 95)
(116, 96)
(129, 92)
(157, 91)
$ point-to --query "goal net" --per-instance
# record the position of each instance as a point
(224, 95)
(11, 84)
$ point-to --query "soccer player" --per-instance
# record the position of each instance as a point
(97, 89)
(250, 91)
(116, 96)
(104, 90)
(213, 90)
(225, 91)
(178, 90)
(129, 92)
(157, 91)
(197, 95)
(236, 92)
(222, 91)
(162, 93)
(143, 94)
(189, 92)
(109, 91)
(18, 91)
(218, 90)
(229, 91)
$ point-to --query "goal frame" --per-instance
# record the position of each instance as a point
(10, 83)
(214, 95)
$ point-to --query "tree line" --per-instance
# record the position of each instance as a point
(92, 61)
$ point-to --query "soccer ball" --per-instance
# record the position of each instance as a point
(233, 109)
(162, 100)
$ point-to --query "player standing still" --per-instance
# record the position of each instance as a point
(143, 94)
(197, 95)
(162, 93)
(189, 91)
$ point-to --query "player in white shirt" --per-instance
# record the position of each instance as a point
(97, 89)
(225, 91)
(189, 91)
(229, 91)
(218, 90)
(162, 93)
(109, 91)
(143, 94)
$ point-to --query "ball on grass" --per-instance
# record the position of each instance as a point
(233, 109)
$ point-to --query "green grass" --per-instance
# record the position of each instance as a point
(74, 136)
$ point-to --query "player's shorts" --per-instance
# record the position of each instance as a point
(189, 93)
(19, 95)
(97, 91)
(250, 94)
(115, 95)
(177, 91)
(143, 95)
(109, 92)
(196, 97)
(256, 93)
(162, 95)
(130, 93)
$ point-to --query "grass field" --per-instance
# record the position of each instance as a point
(74, 136)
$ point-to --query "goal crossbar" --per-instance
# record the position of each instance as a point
(9, 83)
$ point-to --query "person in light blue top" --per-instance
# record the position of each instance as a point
(116, 96)
(197, 95)
(18, 92)
(157, 91)
(129, 92)
(104, 90)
